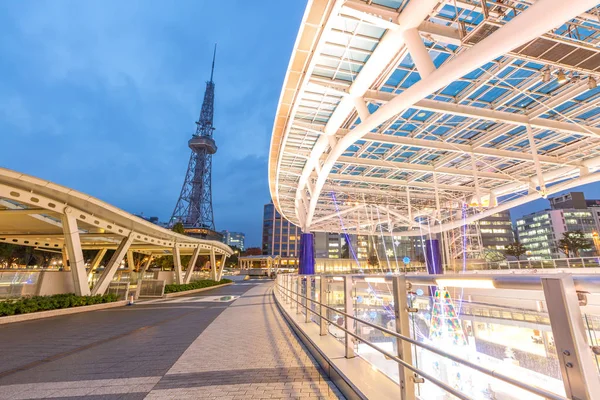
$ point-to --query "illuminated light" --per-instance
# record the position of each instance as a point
(375, 280)
(338, 278)
(546, 75)
(466, 283)
(561, 77)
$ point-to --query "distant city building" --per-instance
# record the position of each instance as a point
(280, 237)
(540, 232)
(234, 239)
(496, 231)
(154, 220)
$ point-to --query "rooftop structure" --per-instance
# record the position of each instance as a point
(396, 114)
(41, 214)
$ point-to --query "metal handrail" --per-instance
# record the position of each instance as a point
(507, 379)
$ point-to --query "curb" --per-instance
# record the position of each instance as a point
(62, 311)
(177, 294)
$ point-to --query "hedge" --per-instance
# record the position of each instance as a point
(173, 288)
(45, 303)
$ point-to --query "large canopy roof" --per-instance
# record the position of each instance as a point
(394, 112)
(31, 209)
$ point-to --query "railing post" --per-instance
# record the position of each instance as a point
(288, 292)
(323, 310)
(568, 263)
(309, 279)
(298, 294)
(580, 376)
(407, 385)
(349, 323)
(292, 291)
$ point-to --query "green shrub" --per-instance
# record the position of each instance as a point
(173, 288)
(55, 302)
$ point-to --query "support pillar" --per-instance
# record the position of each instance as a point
(75, 254)
(223, 259)
(65, 259)
(407, 385)
(113, 265)
(307, 255)
(433, 260)
(213, 264)
(147, 265)
(579, 372)
(130, 263)
(96, 263)
(177, 264)
(323, 300)
(191, 265)
(349, 323)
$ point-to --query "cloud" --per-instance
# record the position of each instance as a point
(102, 96)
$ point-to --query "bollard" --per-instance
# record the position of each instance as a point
(130, 302)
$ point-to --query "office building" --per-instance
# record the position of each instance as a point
(496, 231)
(540, 232)
(234, 239)
(280, 237)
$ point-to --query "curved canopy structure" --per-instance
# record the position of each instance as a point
(35, 212)
(396, 112)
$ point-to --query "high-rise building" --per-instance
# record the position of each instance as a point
(496, 231)
(280, 237)
(540, 232)
(234, 239)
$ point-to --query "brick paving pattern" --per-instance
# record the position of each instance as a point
(194, 347)
(248, 352)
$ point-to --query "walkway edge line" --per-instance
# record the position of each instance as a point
(62, 311)
(176, 294)
(329, 365)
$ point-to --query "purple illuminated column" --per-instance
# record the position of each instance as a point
(433, 257)
(307, 255)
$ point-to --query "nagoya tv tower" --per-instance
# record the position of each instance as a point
(194, 207)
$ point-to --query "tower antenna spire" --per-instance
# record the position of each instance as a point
(213, 63)
(194, 207)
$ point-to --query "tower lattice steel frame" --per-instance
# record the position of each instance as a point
(194, 207)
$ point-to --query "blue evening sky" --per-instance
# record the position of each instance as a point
(102, 96)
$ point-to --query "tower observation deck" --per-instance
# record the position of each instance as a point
(194, 207)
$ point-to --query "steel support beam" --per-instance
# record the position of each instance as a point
(130, 262)
(75, 254)
(404, 351)
(579, 372)
(111, 268)
(96, 262)
(191, 265)
(533, 22)
(177, 264)
(222, 267)
(213, 265)
(147, 265)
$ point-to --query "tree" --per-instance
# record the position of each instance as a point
(233, 260)
(178, 228)
(573, 242)
(515, 249)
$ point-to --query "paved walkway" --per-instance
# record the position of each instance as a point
(248, 352)
(198, 346)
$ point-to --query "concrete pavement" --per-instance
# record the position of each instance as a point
(208, 345)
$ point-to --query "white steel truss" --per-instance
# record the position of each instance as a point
(421, 109)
